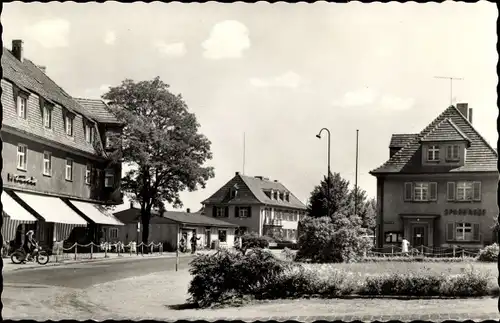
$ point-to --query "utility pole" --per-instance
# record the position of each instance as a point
(356, 177)
(451, 84)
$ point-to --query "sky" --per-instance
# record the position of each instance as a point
(278, 73)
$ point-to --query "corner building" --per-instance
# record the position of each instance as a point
(58, 172)
(439, 187)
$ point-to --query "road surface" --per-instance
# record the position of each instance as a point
(81, 276)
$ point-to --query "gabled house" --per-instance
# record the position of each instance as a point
(438, 188)
(169, 226)
(257, 204)
(56, 174)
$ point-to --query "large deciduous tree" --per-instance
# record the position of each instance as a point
(161, 140)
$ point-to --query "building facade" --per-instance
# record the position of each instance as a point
(57, 174)
(438, 188)
(257, 204)
(169, 227)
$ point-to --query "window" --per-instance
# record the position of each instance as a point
(220, 212)
(234, 191)
(463, 231)
(22, 104)
(47, 163)
(393, 237)
(69, 125)
(69, 170)
(89, 133)
(276, 195)
(47, 117)
(243, 212)
(464, 191)
(88, 174)
(222, 236)
(109, 178)
(433, 153)
(453, 153)
(22, 154)
(421, 191)
(113, 233)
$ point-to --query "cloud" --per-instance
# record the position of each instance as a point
(365, 96)
(110, 37)
(51, 33)
(371, 98)
(170, 49)
(389, 102)
(289, 79)
(228, 39)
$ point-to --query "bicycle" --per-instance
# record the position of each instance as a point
(19, 256)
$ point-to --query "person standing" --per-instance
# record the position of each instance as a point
(194, 240)
(404, 246)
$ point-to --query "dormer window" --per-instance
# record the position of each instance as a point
(275, 195)
(453, 153)
(89, 132)
(287, 197)
(47, 116)
(433, 153)
(234, 191)
(68, 120)
(22, 106)
(268, 194)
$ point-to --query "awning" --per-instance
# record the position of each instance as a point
(52, 209)
(96, 213)
(14, 210)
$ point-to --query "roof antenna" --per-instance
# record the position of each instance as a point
(243, 171)
(451, 84)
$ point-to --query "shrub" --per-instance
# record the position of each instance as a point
(325, 240)
(228, 276)
(410, 284)
(288, 254)
(415, 259)
(471, 284)
(489, 253)
(253, 240)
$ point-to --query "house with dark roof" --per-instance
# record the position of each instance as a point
(438, 187)
(57, 174)
(170, 226)
(257, 204)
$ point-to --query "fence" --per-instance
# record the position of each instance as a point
(436, 252)
(104, 250)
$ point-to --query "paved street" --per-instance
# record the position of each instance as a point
(152, 289)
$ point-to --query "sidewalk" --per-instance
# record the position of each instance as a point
(8, 266)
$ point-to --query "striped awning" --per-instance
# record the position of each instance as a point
(52, 209)
(9, 227)
(96, 213)
(14, 210)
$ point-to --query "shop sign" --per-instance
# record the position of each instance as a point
(476, 212)
(21, 179)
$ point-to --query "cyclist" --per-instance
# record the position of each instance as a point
(30, 245)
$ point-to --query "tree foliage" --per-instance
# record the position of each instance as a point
(161, 140)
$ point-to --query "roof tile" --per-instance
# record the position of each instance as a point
(99, 110)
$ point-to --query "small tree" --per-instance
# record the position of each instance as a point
(339, 197)
(161, 140)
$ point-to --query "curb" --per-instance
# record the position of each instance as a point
(57, 264)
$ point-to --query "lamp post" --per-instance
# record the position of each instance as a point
(328, 174)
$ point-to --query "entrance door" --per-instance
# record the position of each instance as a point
(207, 238)
(419, 236)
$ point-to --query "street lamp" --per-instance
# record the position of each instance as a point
(328, 174)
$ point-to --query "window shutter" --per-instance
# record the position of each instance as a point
(450, 195)
(249, 211)
(432, 191)
(214, 211)
(475, 231)
(476, 191)
(236, 212)
(450, 231)
(226, 212)
(408, 191)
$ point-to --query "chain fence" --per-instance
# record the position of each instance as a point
(434, 252)
(104, 250)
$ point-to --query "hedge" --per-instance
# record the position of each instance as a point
(228, 277)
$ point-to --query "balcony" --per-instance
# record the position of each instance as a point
(273, 222)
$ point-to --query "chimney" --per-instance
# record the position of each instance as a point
(42, 68)
(276, 181)
(237, 173)
(465, 110)
(188, 210)
(131, 204)
(17, 49)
